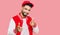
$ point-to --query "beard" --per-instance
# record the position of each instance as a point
(24, 14)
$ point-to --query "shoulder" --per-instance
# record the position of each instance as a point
(15, 16)
(29, 17)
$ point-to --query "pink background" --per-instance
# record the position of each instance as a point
(45, 12)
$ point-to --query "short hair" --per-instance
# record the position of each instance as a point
(27, 3)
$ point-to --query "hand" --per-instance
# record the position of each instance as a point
(19, 28)
(32, 23)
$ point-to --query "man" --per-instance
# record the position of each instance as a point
(23, 24)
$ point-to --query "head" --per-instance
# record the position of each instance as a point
(26, 8)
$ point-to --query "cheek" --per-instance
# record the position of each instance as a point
(26, 11)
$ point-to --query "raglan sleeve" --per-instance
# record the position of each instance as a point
(36, 29)
(11, 27)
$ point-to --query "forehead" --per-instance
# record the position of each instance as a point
(27, 7)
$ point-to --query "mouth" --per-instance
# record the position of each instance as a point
(24, 14)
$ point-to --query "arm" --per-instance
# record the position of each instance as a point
(11, 27)
(36, 29)
(35, 26)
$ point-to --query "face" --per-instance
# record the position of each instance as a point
(25, 10)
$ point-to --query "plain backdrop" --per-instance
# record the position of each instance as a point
(46, 13)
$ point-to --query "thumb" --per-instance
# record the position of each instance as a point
(18, 23)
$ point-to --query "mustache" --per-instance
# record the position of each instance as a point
(24, 14)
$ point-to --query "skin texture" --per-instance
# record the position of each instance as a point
(25, 10)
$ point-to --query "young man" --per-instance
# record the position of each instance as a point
(23, 24)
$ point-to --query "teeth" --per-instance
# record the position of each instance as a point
(24, 13)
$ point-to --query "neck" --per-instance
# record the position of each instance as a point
(21, 15)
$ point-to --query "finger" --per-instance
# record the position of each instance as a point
(18, 23)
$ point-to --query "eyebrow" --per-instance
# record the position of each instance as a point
(27, 9)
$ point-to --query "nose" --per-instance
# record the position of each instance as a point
(27, 11)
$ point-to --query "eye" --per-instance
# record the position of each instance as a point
(25, 8)
(28, 10)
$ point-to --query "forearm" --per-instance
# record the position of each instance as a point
(36, 29)
(11, 27)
